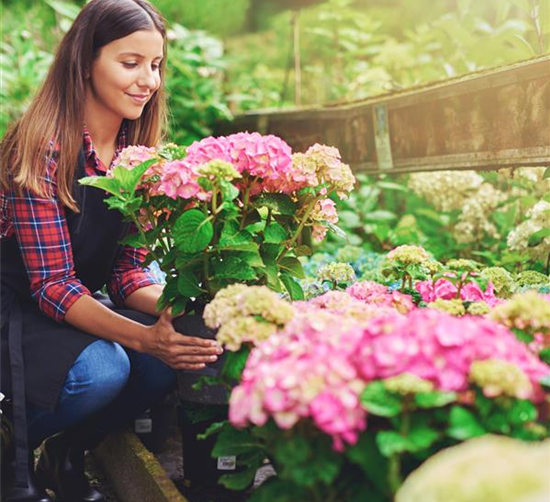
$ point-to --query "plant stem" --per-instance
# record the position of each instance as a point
(150, 248)
(246, 200)
(394, 471)
(299, 229)
(404, 280)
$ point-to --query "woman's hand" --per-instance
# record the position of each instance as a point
(178, 351)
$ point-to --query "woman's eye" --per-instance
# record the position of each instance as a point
(129, 65)
(155, 67)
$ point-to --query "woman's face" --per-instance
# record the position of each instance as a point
(125, 75)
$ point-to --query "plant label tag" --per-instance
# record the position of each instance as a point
(227, 463)
(143, 425)
(264, 472)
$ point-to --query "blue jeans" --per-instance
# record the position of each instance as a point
(106, 387)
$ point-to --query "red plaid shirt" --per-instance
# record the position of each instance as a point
(40, 227)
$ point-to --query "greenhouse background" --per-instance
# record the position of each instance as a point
(471, 243)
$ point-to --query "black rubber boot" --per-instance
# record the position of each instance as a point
(33, 492)
(61, 469)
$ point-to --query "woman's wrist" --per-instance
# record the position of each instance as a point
(90, 316)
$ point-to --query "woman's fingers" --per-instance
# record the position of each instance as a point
(199, 351)
(195, 341)
(187, 366)
(185, 358)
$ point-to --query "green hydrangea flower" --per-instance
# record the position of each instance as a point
(529, 312)
(502, 280)
(531, 278)
(453, 307)
(337, 273)
(218, 169)
(407, 383)
(463, 265)
(478, 308)
(498, 378)
(408, 255)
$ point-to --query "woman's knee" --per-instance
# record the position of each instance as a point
(100, 372)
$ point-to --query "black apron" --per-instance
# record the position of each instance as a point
(37, 352)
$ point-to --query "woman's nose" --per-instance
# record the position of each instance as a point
(148, 79)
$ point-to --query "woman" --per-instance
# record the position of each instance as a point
(84, 368)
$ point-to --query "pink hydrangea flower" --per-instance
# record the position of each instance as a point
(442, 288)
(472, 292)
(317, 367)
(178, 180)
(378, 294)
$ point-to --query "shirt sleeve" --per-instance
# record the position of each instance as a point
(43, 237)
(129, 275)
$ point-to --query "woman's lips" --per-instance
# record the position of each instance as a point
(138, 98)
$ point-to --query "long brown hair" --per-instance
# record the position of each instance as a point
(57, 111)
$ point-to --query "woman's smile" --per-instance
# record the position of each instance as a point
(139, 99)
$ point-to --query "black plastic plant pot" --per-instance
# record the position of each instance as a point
(198, 409)
(152, 427)
(200, 469)
(193, 325)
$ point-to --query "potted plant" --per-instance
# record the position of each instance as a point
(234, 209)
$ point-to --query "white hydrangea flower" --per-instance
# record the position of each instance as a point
(538, 217)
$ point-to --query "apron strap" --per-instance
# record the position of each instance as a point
(19, 395)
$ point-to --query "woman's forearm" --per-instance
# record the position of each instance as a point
(145, 299)
(89, 315)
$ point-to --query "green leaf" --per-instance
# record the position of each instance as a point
(523, 336)
(292, 286)
(390, 442)
(544, 355)
(108, 184)
(234, 268)
(546, 174)
(233, 442)
(434, 399)
(248, 253)
(545, 381)
(134, 240)
(179, 306)
(522, 412)
(276, 489)
(192, 231)
(421, 436)
(536, 238)
(239, 480)
(232, 236)
(335, 229)
(270, 252)
(272, 274)
(463, 424)
(275, 233)
(376, 399)
(303, 251)
(130, 178)
(278, 202)
(188, 285)
(234, 363)
(213, 429)
(69, 10)
(380, 215)
(293, 266)
(229, 191)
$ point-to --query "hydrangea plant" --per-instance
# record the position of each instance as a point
(226, 210)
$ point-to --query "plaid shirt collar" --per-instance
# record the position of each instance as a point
(93, 164)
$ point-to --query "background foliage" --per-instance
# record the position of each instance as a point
(237, 55)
